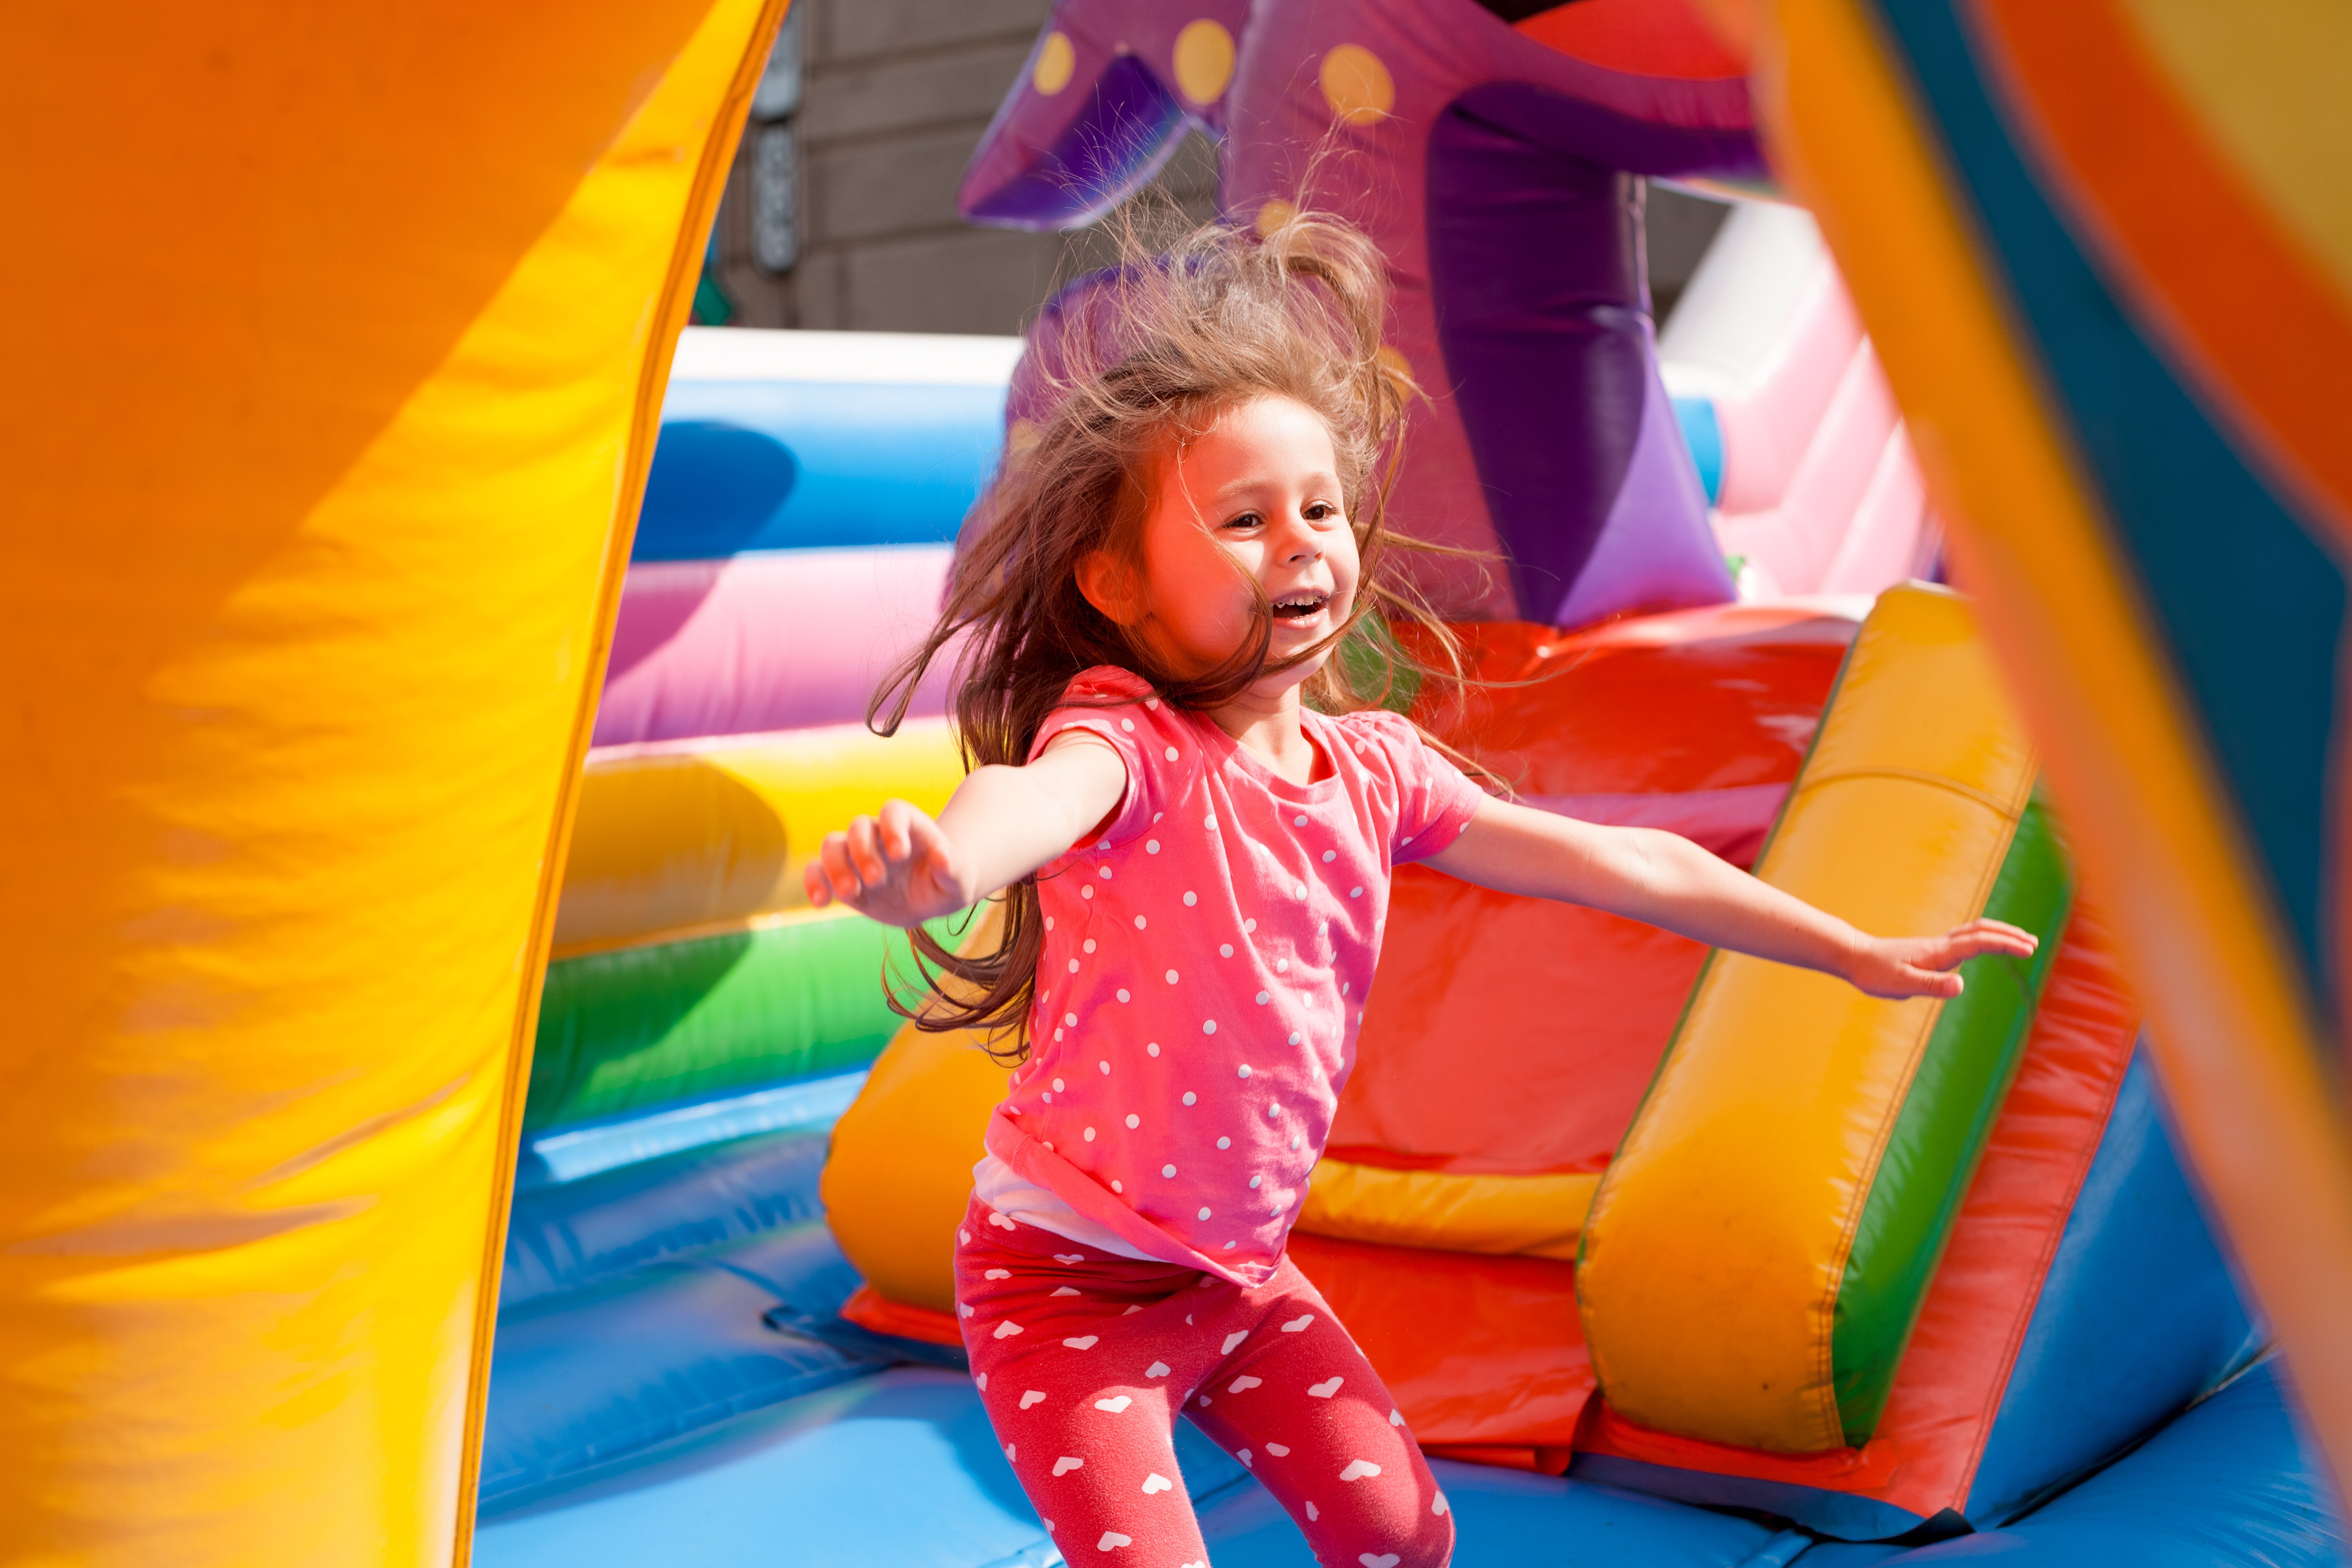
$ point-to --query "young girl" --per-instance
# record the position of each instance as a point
(1195, 869)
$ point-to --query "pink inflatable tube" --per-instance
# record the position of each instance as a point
(776, 640)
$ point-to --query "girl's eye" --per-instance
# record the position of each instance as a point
(1317, 511)
(1247, 520)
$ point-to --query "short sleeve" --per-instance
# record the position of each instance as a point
(1119, 706)
(1435, 799)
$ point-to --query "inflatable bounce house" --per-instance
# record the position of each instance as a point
(442, 1131)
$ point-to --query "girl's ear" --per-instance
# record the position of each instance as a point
(1111, 585)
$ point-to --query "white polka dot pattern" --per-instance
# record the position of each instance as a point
(1258, 904)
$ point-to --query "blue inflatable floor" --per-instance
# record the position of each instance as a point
(672, 1385)
(899, 1470)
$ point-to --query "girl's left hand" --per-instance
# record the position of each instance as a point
(1921, 965)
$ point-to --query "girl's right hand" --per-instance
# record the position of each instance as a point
(899, 868)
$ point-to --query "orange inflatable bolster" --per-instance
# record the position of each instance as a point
(899, 1170)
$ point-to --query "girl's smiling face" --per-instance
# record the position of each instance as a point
(1255, 497)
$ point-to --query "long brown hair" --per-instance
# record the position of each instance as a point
(1121, 374)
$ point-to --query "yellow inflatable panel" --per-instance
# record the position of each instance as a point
(1529, 1217)
(1717, 1243)
(332, 377)
(899, 1170)
(673, 839)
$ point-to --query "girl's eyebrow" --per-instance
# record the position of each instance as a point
(1247, 483)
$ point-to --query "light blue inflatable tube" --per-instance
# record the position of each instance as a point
(806, 440)
(2138, 1316)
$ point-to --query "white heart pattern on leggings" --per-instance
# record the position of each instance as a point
(1114, 1405)
(1242, 1384)
(999, 1219)
(1069, 1258)
(1156, 1483)
(1007, 1328)
(1298, 1325)
(1065, 1464)
(1356, 1472)
(1113, 1537)
(1157, 1368)
(1325, 1389)
(1236, 1337)
(998, 1274)
(1084, 1342)
(1441, 1506)
(1034, 1397)
(1065, 1291)
(1277, 1450)
(1385, 1560)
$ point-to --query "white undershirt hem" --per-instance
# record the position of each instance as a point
(1002, 1188)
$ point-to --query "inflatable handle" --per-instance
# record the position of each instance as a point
(1758, 1252)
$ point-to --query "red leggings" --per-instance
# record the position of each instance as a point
(1084, 1360)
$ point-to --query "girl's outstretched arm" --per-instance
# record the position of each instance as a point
(902, 867)
(1667, 881)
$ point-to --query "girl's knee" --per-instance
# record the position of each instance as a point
(1408, 1533)
(1430, 1544)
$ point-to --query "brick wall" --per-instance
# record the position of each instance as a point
(894, 94)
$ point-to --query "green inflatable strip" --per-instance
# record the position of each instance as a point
(676, 1021)
(1939, 1134)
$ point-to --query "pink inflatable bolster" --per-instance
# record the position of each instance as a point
(777, 641)
(1890, 538)
(1793, 545)
(1768, 427)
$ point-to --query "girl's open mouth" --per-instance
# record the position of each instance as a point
(1300, 606)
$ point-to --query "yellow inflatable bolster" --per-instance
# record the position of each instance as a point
(675, 841)
(1716, 1247)
(1529, 1217)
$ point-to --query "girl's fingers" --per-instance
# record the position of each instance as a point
(866, 852)
(1993, 936)
(930, 846)
(896, 840)
(1934, 983)
(813, 882)
(835, 857)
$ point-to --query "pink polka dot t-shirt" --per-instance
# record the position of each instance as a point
(1204, 973)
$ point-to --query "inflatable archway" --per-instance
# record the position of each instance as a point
(334, 346)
